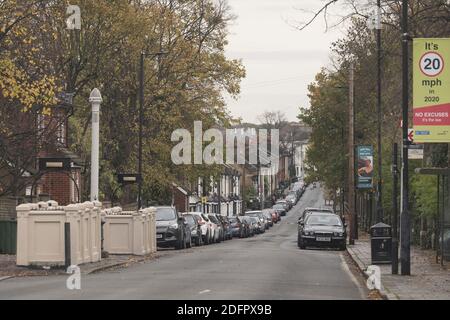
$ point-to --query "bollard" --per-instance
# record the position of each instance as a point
(67, 260)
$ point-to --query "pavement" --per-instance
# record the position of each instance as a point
(265, 267)
(428, 280)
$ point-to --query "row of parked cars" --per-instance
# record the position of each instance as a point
(182, 230)
(291, 199)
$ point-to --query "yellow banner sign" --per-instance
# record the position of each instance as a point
(431, 90)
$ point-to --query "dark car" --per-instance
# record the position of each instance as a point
(280, 208)
(308, 211)
(171, 229)
(195, 228)
(238, 228)
(322, 229)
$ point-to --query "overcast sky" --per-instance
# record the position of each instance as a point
(280, 61)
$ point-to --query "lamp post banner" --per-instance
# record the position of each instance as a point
(364, 156)
(431, 90)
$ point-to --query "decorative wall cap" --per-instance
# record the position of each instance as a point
(52, 203)
(42, 205)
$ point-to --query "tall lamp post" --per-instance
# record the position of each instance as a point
(405, 224)
(141, 119)
(380, 214)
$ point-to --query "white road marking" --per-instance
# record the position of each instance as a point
(204, 291)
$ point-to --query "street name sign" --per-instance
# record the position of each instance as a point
(431, 90)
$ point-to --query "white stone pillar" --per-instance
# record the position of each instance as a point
(95, 99)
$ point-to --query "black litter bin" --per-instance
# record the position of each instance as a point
(381, 243)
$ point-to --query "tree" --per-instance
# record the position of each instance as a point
(427, 19)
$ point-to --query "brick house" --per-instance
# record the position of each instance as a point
(62, 186)
(180, 198)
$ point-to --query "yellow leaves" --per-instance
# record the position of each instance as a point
(16, 86)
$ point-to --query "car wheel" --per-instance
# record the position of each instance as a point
(180, 244)
(189, 243)
(343, 247)
(301, 245)
(208, 237)
(199, 239)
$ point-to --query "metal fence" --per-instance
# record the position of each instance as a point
(8, 237)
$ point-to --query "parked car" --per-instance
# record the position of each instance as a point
(215, 229)
(309, 210)
(257, 225)
(268, 215)
(251, 225)
(206, 227)
(322, 229)
(195, 228)
(261, 217)
(280, 208)
(171, 229)
(227, 232)
(238, 227)
(218, 227)
(285, 203)
(275, 216)
(292, 199)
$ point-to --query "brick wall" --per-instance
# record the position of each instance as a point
(57, 186)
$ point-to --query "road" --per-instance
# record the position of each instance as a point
(268, 266)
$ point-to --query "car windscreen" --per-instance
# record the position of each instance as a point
(165, 214)
(324, 220)
(278, 206)
(189, 219)
(213, 219)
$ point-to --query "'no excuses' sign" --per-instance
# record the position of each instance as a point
(431, 90)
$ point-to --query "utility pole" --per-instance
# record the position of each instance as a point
(395, 209)
(380, 214)
(351, 160)
(405, 224)
(141, 107)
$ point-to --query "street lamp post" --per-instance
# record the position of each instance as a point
(351, 163)
(380, 162)
(405, 224)
(141, 119)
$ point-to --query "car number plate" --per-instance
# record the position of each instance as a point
(159, 236)
(323, 239)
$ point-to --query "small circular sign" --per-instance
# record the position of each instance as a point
(431, 64)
